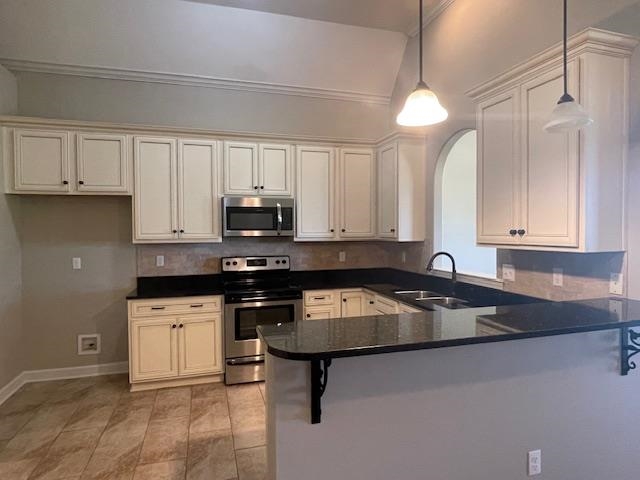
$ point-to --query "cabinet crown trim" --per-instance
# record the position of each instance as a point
(588, 40)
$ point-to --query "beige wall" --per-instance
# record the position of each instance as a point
(11, 352)
(60, 303)
(478, 40)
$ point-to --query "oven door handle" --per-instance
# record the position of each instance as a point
(246, 360)
(279, 210)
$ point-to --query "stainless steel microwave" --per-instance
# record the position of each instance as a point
(257, 217)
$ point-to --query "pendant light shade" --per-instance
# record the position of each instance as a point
(568, 115)
(422, 107)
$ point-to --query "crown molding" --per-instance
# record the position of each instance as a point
(588, 40)
(430, 16)
(146, 76)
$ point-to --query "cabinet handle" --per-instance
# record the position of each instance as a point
(308, 315)
(181, 230)
(522, 231)
(392, 230)
(343, 230)
(175, 231)
(319, 298)
(512, 232)
(255, 187)
(173, 326)
(332, 230)
(181, 326)
(371, 302)
(81, 182)
(197, 305)
(157, 308)
(344, 299)
(262, 187)
(65, 182)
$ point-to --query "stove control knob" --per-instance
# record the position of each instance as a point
(235, 263)
(227, 263)
(284, 261)
(277, 262)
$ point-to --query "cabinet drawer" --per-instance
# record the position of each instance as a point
(174, 306)
(320, 297)
(321, 312)
(386, 305)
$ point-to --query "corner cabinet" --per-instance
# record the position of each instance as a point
(257, 169)
(175, 196)
(402, 192)
(549, 191)
(175, 341)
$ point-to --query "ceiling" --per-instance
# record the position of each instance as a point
(394, 15)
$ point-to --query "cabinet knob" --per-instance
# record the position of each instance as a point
(512, 232)
(175, 231)
(262, 187)
(173, 326)
(65, 182)
(371, 302)
(392, 230)
(308, 315)
(255, 187)
(181, 230)
(332, 230)
(81, 182)
(343, 230)
(344, 300)
(181, 326)
(522, 231)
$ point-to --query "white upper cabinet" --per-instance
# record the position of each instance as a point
(198, 205)
(155, 196)
(41, 161)
(257, 169)
(357, 174)
(240, 168)
(101, 163)
(274, 170)
(402, 190)
(175, 196)
(556, 191)
(315, 193)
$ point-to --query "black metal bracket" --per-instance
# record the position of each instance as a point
(319, 378)
(629, 346)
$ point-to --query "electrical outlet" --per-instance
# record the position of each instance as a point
(159, 260)
(404, 257)
(342, 256)
(616, 284)
(534, 466)
(558, 277)
(89, 344)
(76, 263)
(508, 272)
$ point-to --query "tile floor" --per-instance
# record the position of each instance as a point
(95, 429)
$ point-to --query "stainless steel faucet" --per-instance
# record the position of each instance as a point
(454, 275)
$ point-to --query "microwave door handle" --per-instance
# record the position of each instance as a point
(279, 209)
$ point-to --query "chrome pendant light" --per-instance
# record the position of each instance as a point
(568, 115)
(422, 107)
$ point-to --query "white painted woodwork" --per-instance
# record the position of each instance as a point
(498, 168)
(274, 168)
(564, 191)
(315, 193)
(153, 352)
(357, 173)
(200, 344)
(174, 307)
(550, 166)
(101, 163)
(385, 306)
(321, 297)
(198, 202)
(240, 168)
(155, 196)
(352, 304)
(41, 161)
(322, 312)
(388, 191)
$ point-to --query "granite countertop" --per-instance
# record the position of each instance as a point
(348, 337)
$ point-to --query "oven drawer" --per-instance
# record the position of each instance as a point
(321, 297)
(174, 306)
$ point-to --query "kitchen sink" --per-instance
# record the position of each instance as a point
(448, 302)
(417, 293)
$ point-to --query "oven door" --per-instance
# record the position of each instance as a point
(257, 217)
(241, 320)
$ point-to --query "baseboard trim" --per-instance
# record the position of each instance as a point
(44, 375)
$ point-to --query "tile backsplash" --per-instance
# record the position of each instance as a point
(194, 259)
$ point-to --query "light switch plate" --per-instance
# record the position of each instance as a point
(616, 284)
(534, 466)
(404, 257)
(159, 260)
(342, 256)
(558, 277)
(508, 272)
(76, 263)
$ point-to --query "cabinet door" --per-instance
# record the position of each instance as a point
(101, 162)
(153, 348)
(155, 197)
(321, 313)
(275, 170)
(351, 304)
(550, 167)
(388, 191)
(41, 161)
(357, 193)
(498, 169)
(198, 205)
(385, 306)
(240, 168)
(200, 344)
(315, 193)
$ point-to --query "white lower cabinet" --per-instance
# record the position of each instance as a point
(352, 303)
(324, 304)
(385, 306)
(174, 349)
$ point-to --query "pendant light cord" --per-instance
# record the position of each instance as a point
(420, 55)
(565, 34)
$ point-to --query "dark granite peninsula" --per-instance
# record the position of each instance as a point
(396, 396)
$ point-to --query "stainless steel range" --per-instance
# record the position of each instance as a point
(258, 291)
